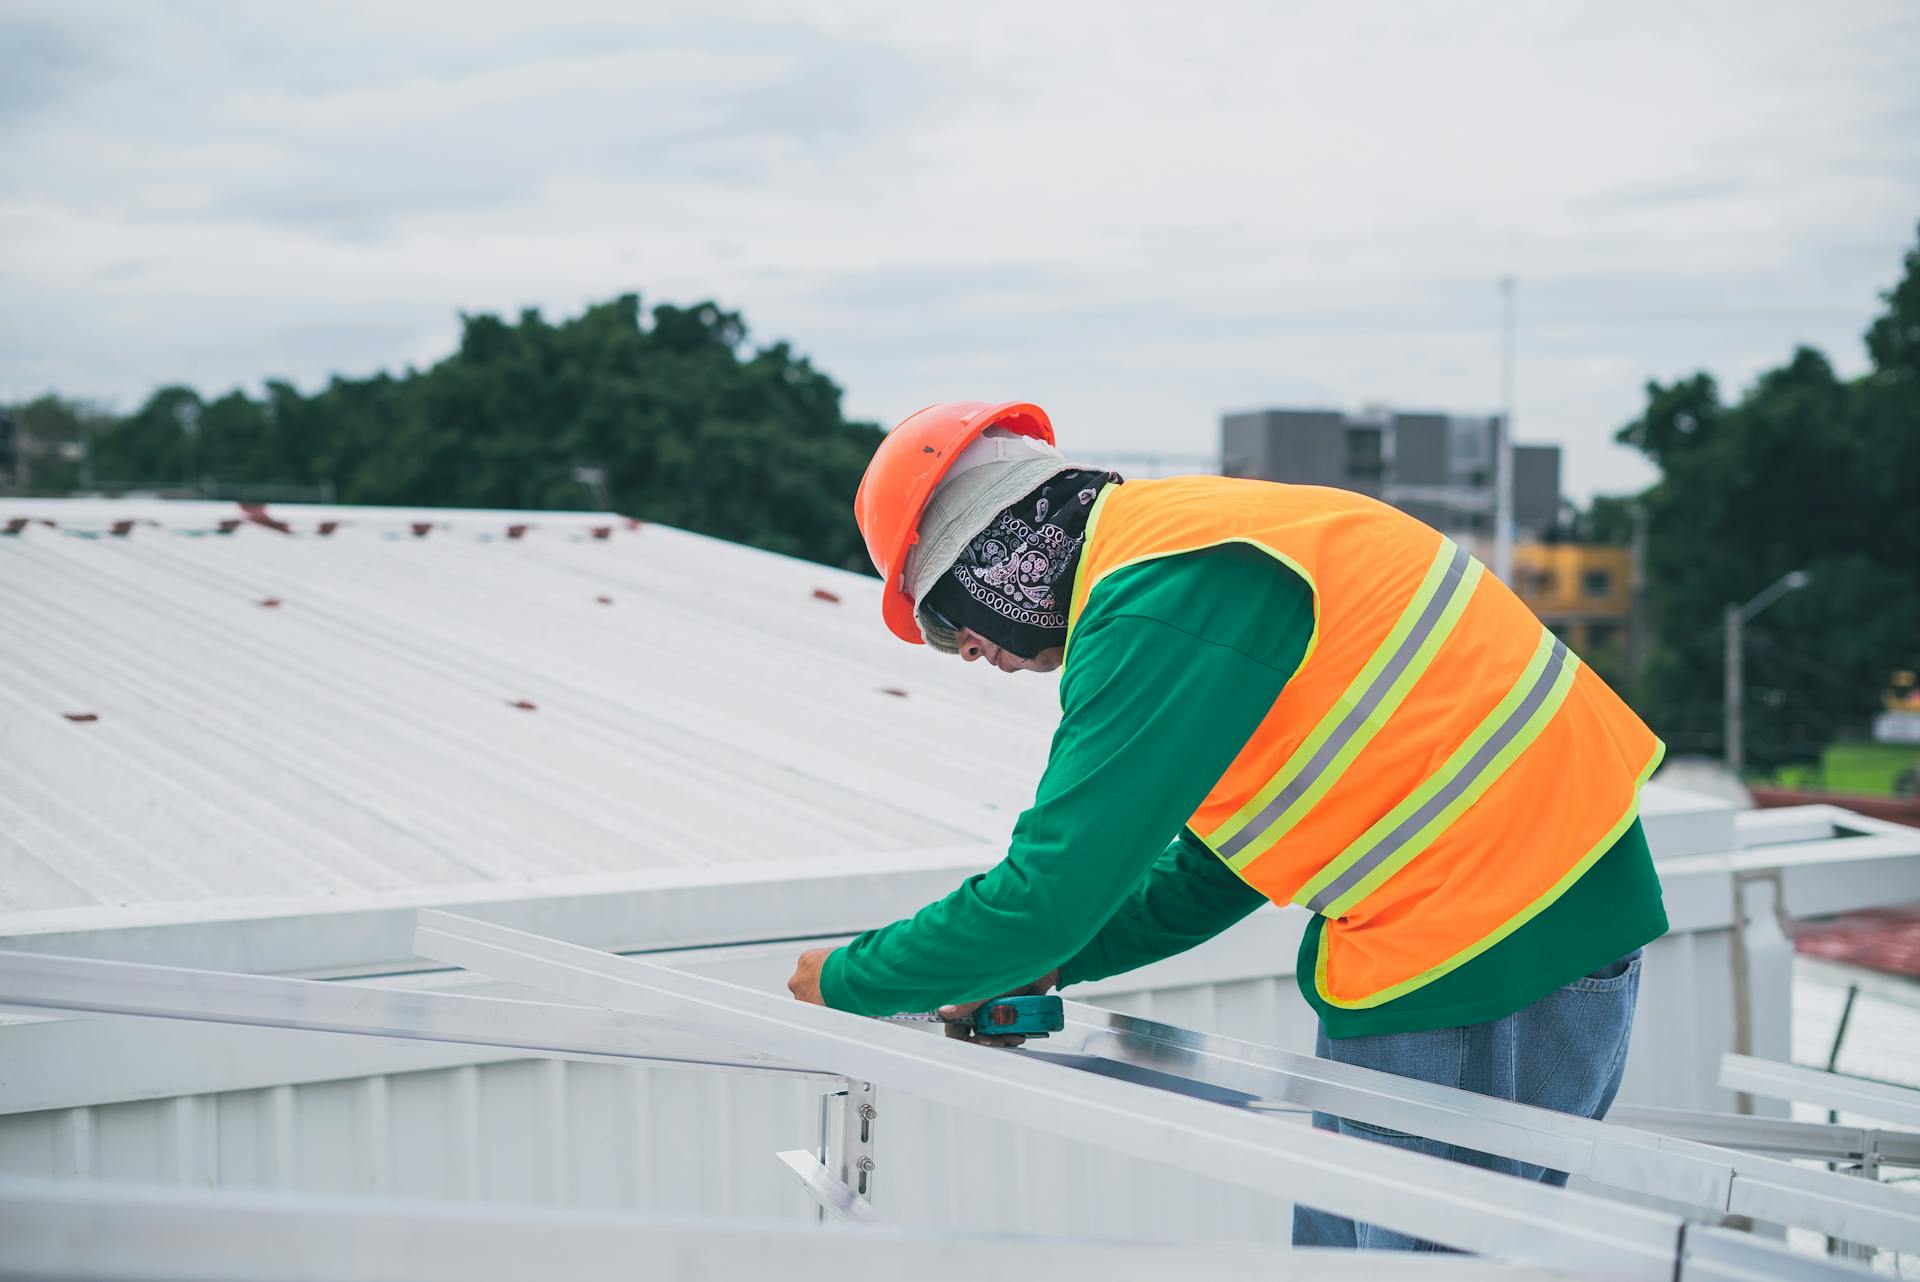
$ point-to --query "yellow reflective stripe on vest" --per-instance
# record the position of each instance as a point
(1369, 700)
(1411, 827)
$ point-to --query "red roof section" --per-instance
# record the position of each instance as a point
(1882, 939)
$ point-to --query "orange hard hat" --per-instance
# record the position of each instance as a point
(902, 476)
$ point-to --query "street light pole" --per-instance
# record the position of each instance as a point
(1734, 730)
(1737, 616)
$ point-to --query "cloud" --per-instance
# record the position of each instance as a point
(1142, 220)
(38, 60)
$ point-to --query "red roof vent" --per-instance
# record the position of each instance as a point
(257, 513)
(831, 598)
(81, 716)
(525, 705)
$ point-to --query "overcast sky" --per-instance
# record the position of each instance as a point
(1137, 215)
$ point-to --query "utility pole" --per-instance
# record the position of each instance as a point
(1503, 445)
(1737, 616)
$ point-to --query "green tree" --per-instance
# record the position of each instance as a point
(689, 425)
(1608, 519)
(1803, 472)
(157, 443)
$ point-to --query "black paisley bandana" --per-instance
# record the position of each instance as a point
(1012, 583)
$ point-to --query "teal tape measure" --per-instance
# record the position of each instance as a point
(1025, 1016)
(1009, 1017)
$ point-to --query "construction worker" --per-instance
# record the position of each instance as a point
(1271, 693)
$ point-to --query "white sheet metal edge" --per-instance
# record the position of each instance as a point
(645, 912)
(1475, 1210)
(838, 897)
(122, 1233)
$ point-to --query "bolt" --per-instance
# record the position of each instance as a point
(865, 1164)
(869, 1112)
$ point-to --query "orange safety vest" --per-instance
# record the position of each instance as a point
(1440, 767)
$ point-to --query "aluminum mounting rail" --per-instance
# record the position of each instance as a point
(80, 1231)
(1771, 1078)
(81, 986)
(1776, 1136)
(1238, 1071)
(1722, 1180)
(1494, 1215)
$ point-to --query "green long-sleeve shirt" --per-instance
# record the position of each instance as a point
(1175, 663)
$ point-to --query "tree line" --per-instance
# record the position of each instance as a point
(669, 417)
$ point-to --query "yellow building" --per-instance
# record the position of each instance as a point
(1583, 591)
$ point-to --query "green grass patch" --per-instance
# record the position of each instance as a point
(1858, 766)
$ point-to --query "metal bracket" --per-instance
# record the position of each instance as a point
(855, 1155)
(844, 1153)
(830, 1195)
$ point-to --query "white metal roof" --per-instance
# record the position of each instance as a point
(319, 709)
(291, 715)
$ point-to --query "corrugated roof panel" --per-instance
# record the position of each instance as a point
(692, 703)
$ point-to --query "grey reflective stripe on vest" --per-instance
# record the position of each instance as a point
(1450, 791)
(1356, 716)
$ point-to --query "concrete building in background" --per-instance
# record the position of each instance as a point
(1438, 467)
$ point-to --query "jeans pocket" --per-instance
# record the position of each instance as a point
(1379, 1134)
(1612, 977)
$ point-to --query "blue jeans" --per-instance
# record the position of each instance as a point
(1564, 1052)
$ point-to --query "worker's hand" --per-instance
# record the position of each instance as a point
(959, 1017)
(805, 983)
